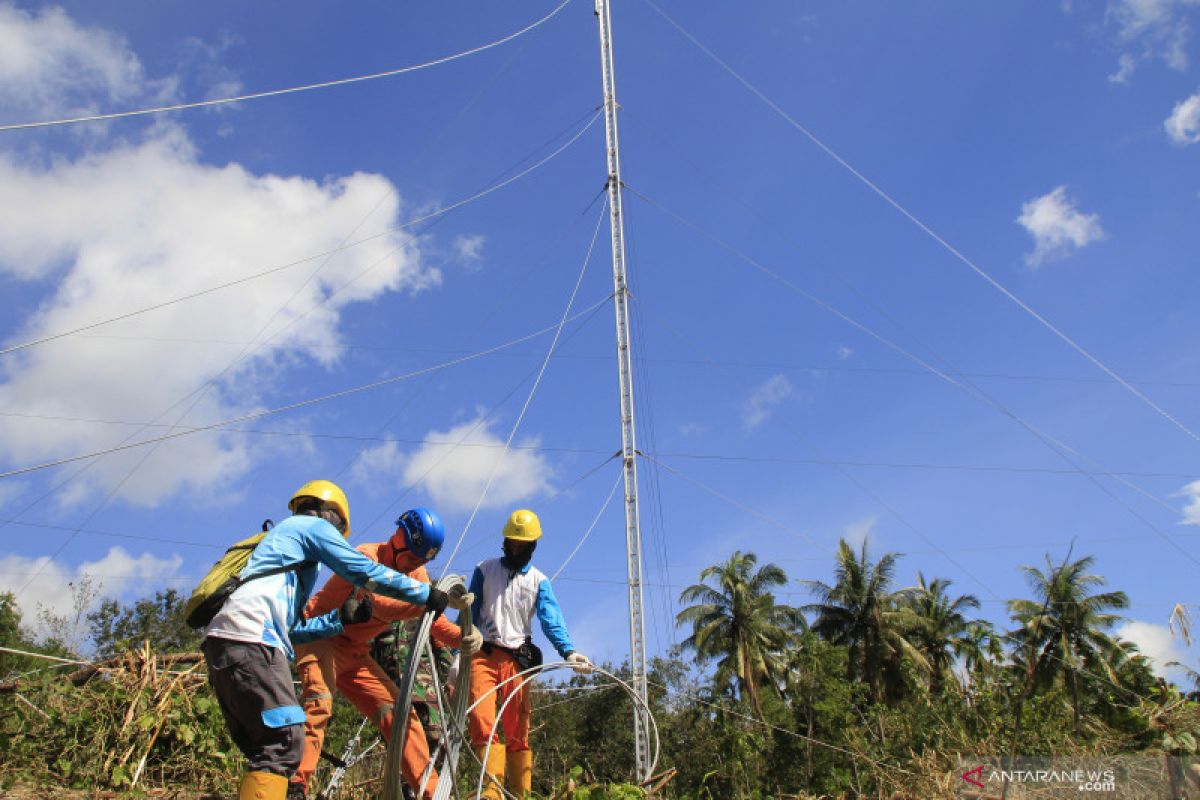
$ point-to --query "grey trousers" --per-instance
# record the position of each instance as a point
(253, 684)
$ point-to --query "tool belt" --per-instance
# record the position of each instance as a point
(528, 655)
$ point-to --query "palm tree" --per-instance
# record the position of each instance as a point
(981, 651)
(941, 630)
(861, 612)
(1062, 633)
(737, 623)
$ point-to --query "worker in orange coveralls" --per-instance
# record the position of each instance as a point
(508, 593)
(345, 661)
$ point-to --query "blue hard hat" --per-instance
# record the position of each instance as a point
(424, 532)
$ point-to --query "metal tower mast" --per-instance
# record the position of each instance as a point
(633, 534)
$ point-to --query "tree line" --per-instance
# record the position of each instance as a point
(869, 689)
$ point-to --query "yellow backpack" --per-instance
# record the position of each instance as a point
(222, 580)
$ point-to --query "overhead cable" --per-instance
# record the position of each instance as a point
(612, 492)
(1055, 445)
(726, 498)
(723, 362)
(299, 404)
(247, 348)
(911, 217)
(313, 257)
(291, 89)
(730, 457)
(451, 447)
(939, 550)
(727, 710)
(532, 391)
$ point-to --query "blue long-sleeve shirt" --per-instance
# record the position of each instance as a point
(270, 610)
(506, 601)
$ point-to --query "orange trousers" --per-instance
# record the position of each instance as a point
(488, 670)
(364, 683)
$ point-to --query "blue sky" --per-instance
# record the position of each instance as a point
(1054, 146)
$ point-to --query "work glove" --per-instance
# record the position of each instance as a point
(471, 642)
(355, 610)
(439, 600)
(579, 662)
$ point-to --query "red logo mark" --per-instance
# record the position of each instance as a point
(977, 772)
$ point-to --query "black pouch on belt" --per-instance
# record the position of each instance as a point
(528, 655)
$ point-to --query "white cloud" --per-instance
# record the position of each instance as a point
(1057, 227)
(858, 533)
(116, 574)
(764, 400)
(468, 249)
(377, 464)
(1155, 642)
(1155, 28)
(129, 224)
(844, 353)
(50, 66)
(1191, 511)
(1125, 67)
(1183, 126)
(455, 476)
(138, 225)
(203, 60)
(1136, 17)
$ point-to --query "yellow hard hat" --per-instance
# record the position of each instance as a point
(523, 526)
(327, 492)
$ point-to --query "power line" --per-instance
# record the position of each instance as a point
(481, 323)
(726, 710)
(724, 362)
(928, 230)
(1055, 445)
(874, 496)
(483, 420)
(645, 404)
(733, 458)
(114, 534)
(296, 405)
(988, 548)
(950, 375)
(288, 90)
(313, 257)
(325, 300)
(788, 593)
(940, 550)
(726, 498)
(591, 527)
(533, 390)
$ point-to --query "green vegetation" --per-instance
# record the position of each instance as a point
(870, 690)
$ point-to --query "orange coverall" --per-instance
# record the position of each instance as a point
(345, 662)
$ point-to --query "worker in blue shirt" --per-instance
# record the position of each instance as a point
(248, 644)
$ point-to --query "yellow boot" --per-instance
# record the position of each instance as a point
(495, 771)
(263, 786)
(520, 772)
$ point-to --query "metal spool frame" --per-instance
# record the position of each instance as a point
(453, 709)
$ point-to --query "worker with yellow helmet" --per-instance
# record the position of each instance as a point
(248, 644)
(508, 592)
